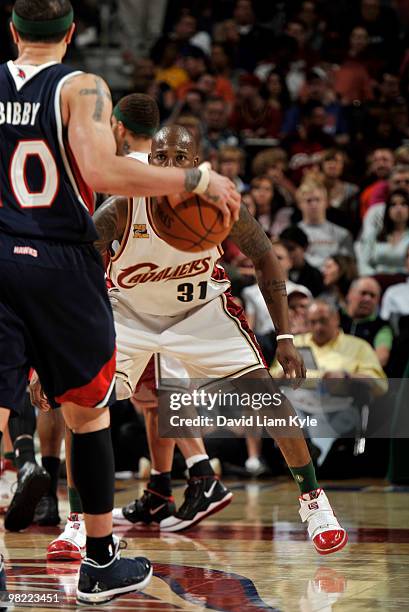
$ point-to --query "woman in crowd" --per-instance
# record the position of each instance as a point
(386, 252)
(271, 210)
(338, 273)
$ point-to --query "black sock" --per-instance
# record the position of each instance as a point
(200, 469)
(93, 470)
(1, 435)
(52, 465)
(24, 450)
(100, 550)
(161, 483)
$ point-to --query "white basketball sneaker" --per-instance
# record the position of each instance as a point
(323, 528)
(70, 544)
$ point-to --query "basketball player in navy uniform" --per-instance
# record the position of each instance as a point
(56, 149)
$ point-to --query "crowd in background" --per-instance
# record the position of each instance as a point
(305, 106)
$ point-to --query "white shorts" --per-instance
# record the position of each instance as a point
(210, 341)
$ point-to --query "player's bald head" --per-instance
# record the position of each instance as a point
(174, 145)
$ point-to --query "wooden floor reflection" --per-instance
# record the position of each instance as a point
(253, 556)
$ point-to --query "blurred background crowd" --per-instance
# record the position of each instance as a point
(305, 106)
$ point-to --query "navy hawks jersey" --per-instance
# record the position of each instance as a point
(42, 193)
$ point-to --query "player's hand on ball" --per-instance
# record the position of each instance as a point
(290, 360)
(37, 395)
(222, 193)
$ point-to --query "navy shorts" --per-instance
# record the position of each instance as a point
(55, 316)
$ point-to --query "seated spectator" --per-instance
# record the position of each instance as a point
(385, 252)
(361, 319)
(325, 239)
(338, 272)
(380, 164)
(305, 146)
(254, 40)
(395, 302)
(318, 88)
(221, 61)
(340, 192)
(257, 312)
(303, 58)
(276, 93)
(373, 220)
(167, 68)
(301, 272)
(352, 79)
(342, 195)
(271, 210)
(192, 104)
(184, 34)
(212, 85)
(216, 132)
(339, 362)
(252, 116)
(274, 163)
(194, 63)
(382, 25)
(230, 163)
(298, 304)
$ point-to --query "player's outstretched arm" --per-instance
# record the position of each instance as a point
(110, 222)
(251, 239)
(87, 107)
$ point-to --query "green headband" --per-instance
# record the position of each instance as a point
(51, 26)
(136, 128)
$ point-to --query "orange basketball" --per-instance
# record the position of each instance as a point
(192, 225)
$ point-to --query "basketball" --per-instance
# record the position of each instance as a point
(193, 225)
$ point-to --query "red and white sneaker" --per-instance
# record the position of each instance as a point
(323, 528)
(70, 544)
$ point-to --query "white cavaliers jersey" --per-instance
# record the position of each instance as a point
(156, 278)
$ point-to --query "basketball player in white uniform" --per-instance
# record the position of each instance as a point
(177, 304)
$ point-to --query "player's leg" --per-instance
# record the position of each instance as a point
(323, 527)
(72, 347)
(70, 544)
(50, 428)
(33, 480)
(239, 357)
(205, 494)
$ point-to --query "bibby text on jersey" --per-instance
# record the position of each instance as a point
(42, 193)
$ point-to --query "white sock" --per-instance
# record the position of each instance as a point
(191, 461)
(155, 472)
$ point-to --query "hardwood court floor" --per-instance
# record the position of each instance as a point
(254, 556)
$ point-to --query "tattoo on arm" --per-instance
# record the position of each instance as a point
(251, 239)
(249, 236)
(100, 92)
(110, 222)
(192, 178)
(271, 289)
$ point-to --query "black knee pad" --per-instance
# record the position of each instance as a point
(93, 470)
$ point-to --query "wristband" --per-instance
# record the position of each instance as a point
(285, 337)
(203, 184)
